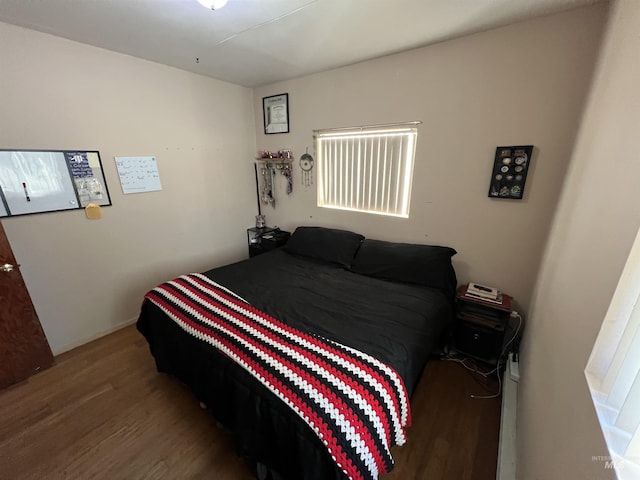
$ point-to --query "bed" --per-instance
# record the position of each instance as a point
(391, 301)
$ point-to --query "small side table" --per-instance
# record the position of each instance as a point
(480, 326)
(261, 240)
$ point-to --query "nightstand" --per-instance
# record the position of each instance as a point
(261, 240)
(480, 326)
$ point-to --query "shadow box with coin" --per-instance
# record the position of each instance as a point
(509, 173)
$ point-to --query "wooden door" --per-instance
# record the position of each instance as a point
(24, 349)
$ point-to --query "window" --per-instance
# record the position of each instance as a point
(613, 372)
(367, 169)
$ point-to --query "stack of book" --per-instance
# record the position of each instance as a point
(484, 293)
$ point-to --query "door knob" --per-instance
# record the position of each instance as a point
(7, 267)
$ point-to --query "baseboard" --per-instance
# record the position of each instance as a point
(508, 422)
(98, 335)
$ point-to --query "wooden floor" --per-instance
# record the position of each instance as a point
(103, 412)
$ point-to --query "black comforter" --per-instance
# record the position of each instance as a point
(397, 323)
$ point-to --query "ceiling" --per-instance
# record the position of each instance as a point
(257, 42)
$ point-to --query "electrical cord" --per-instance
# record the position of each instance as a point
(515, 334)
(473, 369)
(495, 395)
(482, 378)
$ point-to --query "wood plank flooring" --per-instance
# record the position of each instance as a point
(103, 412)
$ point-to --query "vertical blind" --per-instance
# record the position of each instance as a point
(367, 169)
(613, 371)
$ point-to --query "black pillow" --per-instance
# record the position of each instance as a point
(426, 265)
(328, 244)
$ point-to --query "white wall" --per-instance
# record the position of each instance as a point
(87, 277)
(522, 84)
(592, 234)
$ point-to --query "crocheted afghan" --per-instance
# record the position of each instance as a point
(357, 405)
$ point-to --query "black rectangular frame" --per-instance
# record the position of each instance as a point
(509, 173)
(68, 154)
(281, 102)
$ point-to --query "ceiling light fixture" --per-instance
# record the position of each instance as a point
(213, 4)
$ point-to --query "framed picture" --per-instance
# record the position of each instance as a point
(509, 172)
(276, 113)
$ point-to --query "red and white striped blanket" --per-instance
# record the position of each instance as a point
(357, 405)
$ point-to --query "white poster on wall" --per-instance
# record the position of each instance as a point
(138, 174)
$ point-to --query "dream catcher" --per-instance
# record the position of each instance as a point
(306, 165)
